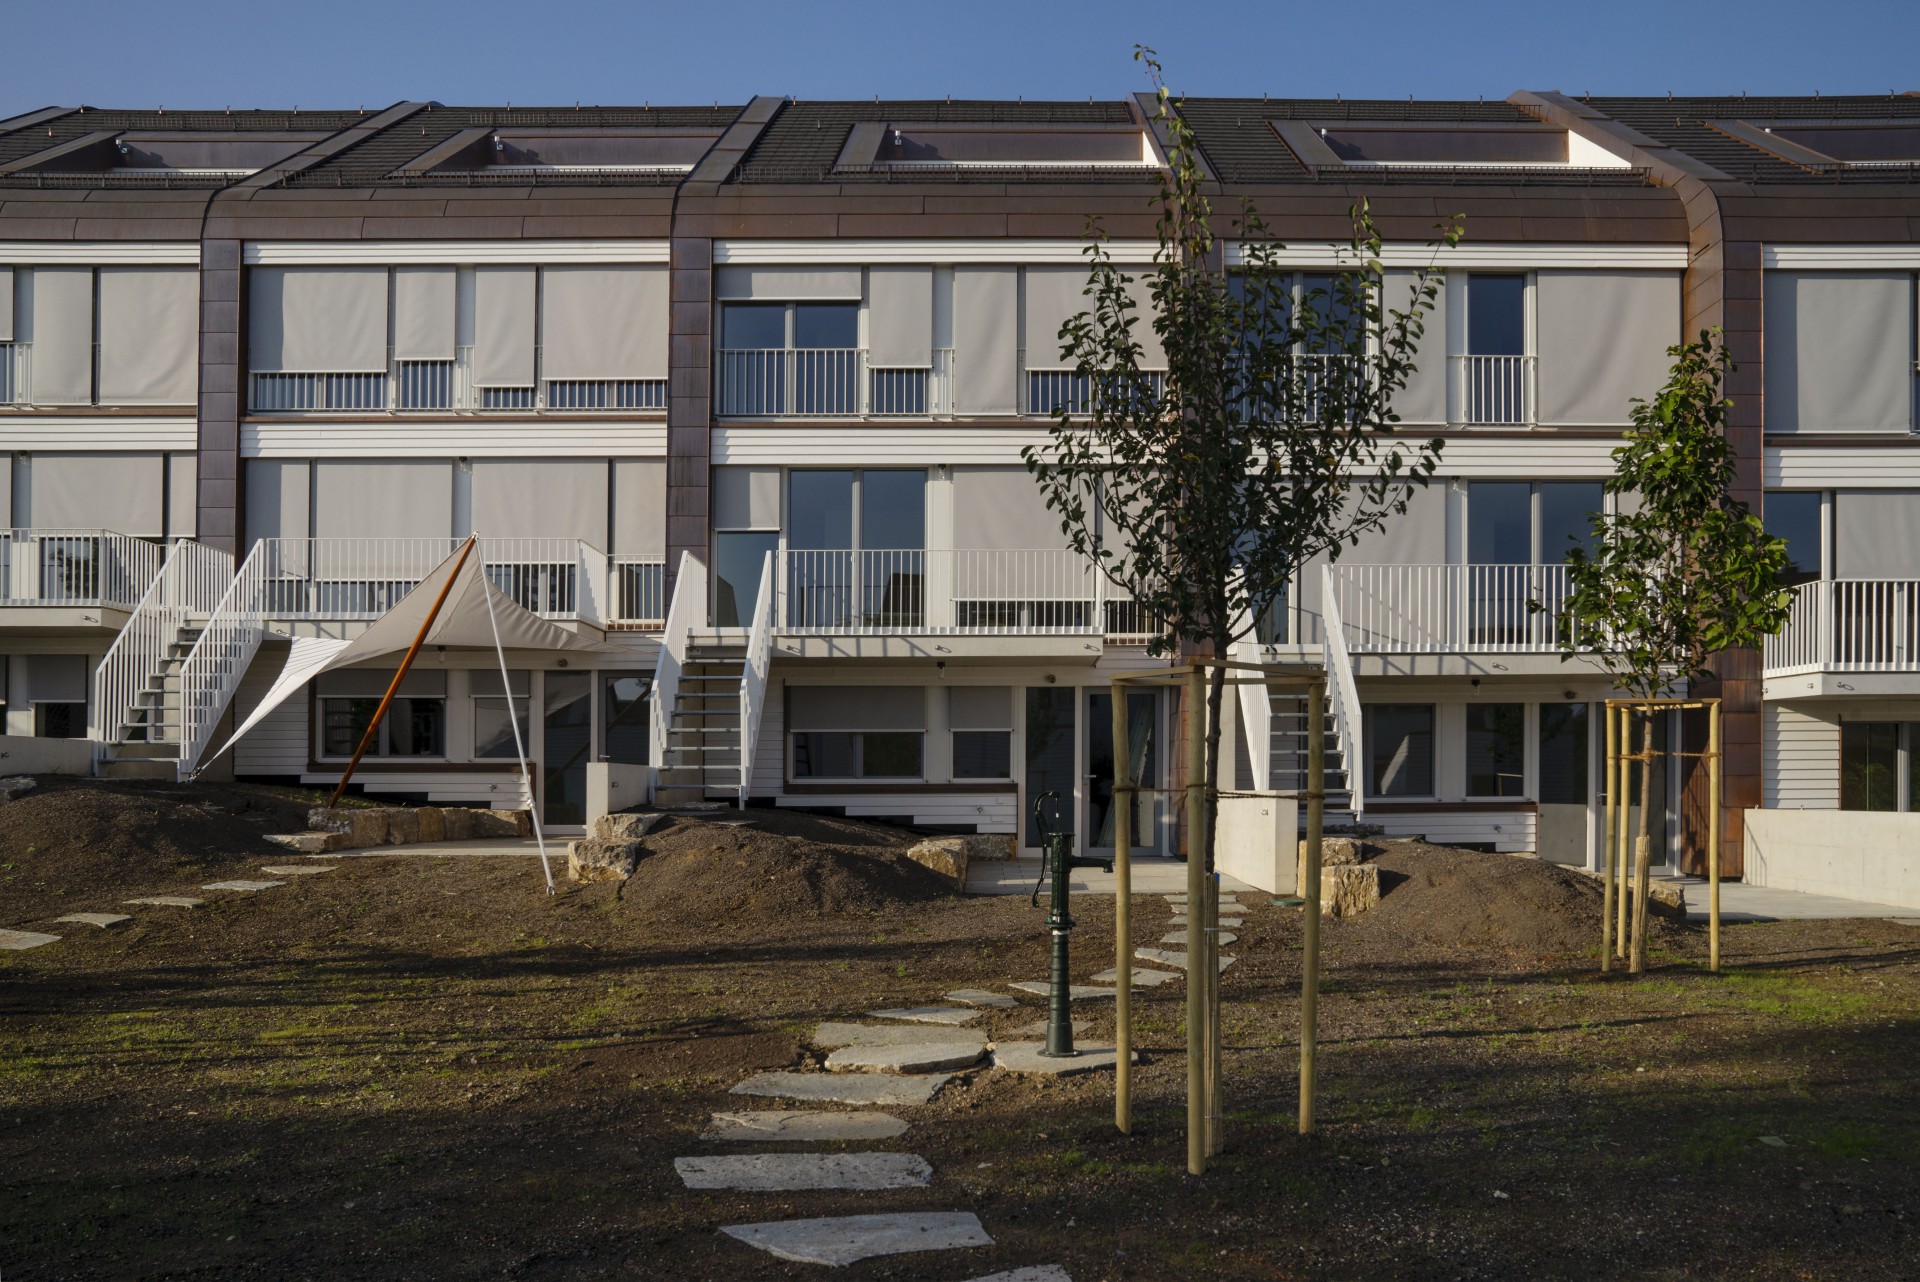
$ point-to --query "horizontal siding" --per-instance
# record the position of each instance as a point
(1800, 758)
(498, 791)
(983, 812)
(278, 745)
(73, 433)
(1838, 467)
(769, 761)
(542, 438)
(1516, 833)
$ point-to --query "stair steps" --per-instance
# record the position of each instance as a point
(702, 759)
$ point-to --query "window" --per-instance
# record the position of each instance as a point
(415, 724)
(1512, 528)
(981, 719)
(493, 737)
(1879, 765)
(1564, 743)
(1498, 380)
(856, 543)
(626, 735)
(1794, 515)
(856, 732)
(60, 720)
(1496, 749)
(789, 358)
(1399, 746)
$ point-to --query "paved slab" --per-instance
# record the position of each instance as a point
(844, 1239)
(1179, 902)
(1168, 958)
(776, 1124)
(102, 920)
(845, 1088)
(979, 997)
(1180, 937)
(1180, 919)
(1742, 902)
(909, 1057)
(1143, 976)
(243, 886)
(928, 1014)
(1038, 1028)
(21, 940)
(792, 1172)
(1025, 1057)
(168, 901)
(294, 870)
(1034, 1273)
(834, 1034)
(1075, 992)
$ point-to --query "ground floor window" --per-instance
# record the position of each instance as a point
(1564, 736)
(1496, 749)
(981, 721)
(60, 720)
(626, 736)
(1399, 748)
(857, 732)
(496, 709)
(413, 727)
(1879, 765)
(857, 754)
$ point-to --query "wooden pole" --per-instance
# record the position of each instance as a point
(1310, 893)
(1196, 918)
(1716, 817)
(1123, 795)
(1212, 979)
(393, 687)
(1626, 831)
(1643, 849)
(1606, 865)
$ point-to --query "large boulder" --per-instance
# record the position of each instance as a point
(360, 827)
(603, 859)
(457, 822)
(497, 823)
(403, 827)
(1347, 890)
(1335, 852)
(944, 855)
(987, 846)
(13, 785)
(433, 823)
(626, 826)
(1667, 899)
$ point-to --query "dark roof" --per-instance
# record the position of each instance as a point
(1237, 137)
(802, 142)
(1681, 123)
(23, 141)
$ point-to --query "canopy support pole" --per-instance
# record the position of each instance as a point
(519, 745)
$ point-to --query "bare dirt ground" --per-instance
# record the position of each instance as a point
(425, 1068)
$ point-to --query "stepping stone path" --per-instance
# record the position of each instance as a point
(293, 870)
(1143, 976)
(21, 940)
(910, 1058)
(832, 1035)
(1038, 1028)
(797, 1125)
(928, 1014)
(846, 1088)
(1167, 958)
(246, 886)
(102, 920)
(1075, 992)
(980, 997)
(167, 901)
(843, 1239)
(793, 1172)
(1181, 920)
(1025, 1057)
(1180, 937)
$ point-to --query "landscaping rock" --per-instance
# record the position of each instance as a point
(845, 1088)
(167, 901)
(928, 1014)
(310, 843)
(798, 1125)
(14, 785)
(361, 828)
(501, 823)
(458, 821)
(906, 1057)
(1349, 890)
(433, 823)
(625, 826)
(1335, 852)
(403, 828)
(1143, 976)
(1025, 1057)
(979, 997)
(986, 847)
(944, 855)
(1075, 992)
(794, 1172)
(102, 920)
(833, 1034)
(245, 887)
(21, 940)
(1667, 899)
(603, 859)
(1166, 958)
(843, 1239)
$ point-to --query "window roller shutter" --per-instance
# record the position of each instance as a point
(735, 283)
(900, 317)
(640, 507)
(1002, 509)
(1876, 534)
(503, 319)
(6, 304)
(149, 332)
(986, 339)
(319, 320)
(858, 707)
(1052, 295)
(541, 498)
(1602, 341)
(980, 707)
(1840, 350)
(119, 492)
(62, 335)
(1417, 536)
(1424, 398)
(746, 498)
(423, 301)
(603, 322)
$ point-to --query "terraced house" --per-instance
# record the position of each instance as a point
(736, 394)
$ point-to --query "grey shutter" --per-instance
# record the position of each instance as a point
(121, 492)
(986, 340)
(1053, 294)
(857, 707)
(277, 499)
(1001, 509)
(6, 304)
(541, 498)
(780, 284)
(900, 317)
(372, 683)
(746, 498)
(1876, 534)
(1152, 354)
(484, 683)
(318, 320)
(503, 318)
(149, 335)
(1417, 536)
(62, 335)
(1602, 340)
(1840, 350)
(56, 678)
(1424, 399)
(640, 507)
(183, 486)
(383, 499)
(603, 322)
(980, 707)
(423, 303)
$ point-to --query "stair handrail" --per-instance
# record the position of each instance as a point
(689, 605)
(213, 669)
(1256, 705)
(753, 675)
(187, 584)
(1345, 695)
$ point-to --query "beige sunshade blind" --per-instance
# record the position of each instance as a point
(62, 319)
(1002, 509)
(1876, 534)
(540, 499)
(1840, 350)
(1603, 339)
(746, 498)
(423, 313)
(6, 304)
(782, 284)
(503, 321)
(603, 322)
(985, 339)
(318, 320)
(1052, 295)
(900, 317)
(639, 507)
(383, 499)
(980, 707)
(149, 332)
(857, 707)
(121, 492)
(1417, 536)
(277, 499)
(1424, 398)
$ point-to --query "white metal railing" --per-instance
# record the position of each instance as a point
(1849, 625)
(16, 373)
(687, 611)
(1343, 694)
(753, 675)
(829, 382)
(187, 587)
(1044, 390)
(1256, 703)
(639, 592)
(1493, 391)
(441, 386)
(213, 669)
(1447, 609)
(335, 579)
(75, 567)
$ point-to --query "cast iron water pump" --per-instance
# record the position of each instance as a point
(1058, 863)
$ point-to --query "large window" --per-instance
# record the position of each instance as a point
(981, 722)
(856, 541)
(1399, 747)
(1512, 527)
(1795, 516)
(1879, 765)
(415, 724)
(1496, 749)
(789, 358)
(1499, 385)
(626, 736)
(856, 732)
(493, 724)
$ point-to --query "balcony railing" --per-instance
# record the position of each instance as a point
(968, 592)
(638, 599)
(75, 568)
(1493, 391)
(1849, 625)
(16, 373)
(1449, 609)
(827, 382)
(434, 386)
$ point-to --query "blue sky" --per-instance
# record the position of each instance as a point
(334, 53)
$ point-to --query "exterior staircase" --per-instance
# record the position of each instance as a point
(701, 762)
(1288, 726)
(150, 733)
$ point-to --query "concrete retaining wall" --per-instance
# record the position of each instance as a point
(1854, 854)
(1256, 841)
(23, 755)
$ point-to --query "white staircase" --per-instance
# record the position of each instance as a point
(703, 748)
(139, 706)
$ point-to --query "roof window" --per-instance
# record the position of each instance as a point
(907, 145)
(1832, 144)
(556, 151)
(1390, 144)
(150, 152)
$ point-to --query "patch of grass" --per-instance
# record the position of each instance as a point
(1799, 998)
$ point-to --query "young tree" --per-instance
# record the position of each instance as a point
(1689, 573)
(1269, 439)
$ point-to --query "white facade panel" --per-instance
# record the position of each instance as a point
(1800, 756)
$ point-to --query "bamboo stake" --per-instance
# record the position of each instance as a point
(1626, 831)
(1643, 852)
(1606, 859)
(1123, 795)
(1214, 1138)
(1310, 894)
(1716, 818)
(1196, 917)
(393, 687)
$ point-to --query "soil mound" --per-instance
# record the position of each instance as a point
(1465, 899)
(776, 866)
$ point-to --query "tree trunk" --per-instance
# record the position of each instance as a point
(1216, 691)
(1643, 852)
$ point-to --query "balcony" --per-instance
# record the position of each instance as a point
(1450, 609)
(75, 568)
(16, 373)
(1493, 391)
(958, 592)
(443, 387)
(1848, 625)
(827, 382)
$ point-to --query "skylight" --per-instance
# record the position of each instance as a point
(906, 145)
(1832, 144)
(1390, 144)
(152, 152)
(560, 151)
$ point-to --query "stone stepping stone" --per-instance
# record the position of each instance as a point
(844, 1239)
(1038, 1028)
(927, 1014)
(245, 886)
(1032, 1273)
(102, 920)
(873, 1089)
(794, 1172)
(761, 1127)
(1171, 958)
(167, 901)
(979, 997)
(833, 1034)
(1180, 937)
(1025, 1057)
(1234, 922)
(1075, 992)
(293, 870)
(21, 940)
(909, 1058)
(1143, 976)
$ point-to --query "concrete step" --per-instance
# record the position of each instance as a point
(156, 751)
(665, 795)
(139, 769)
